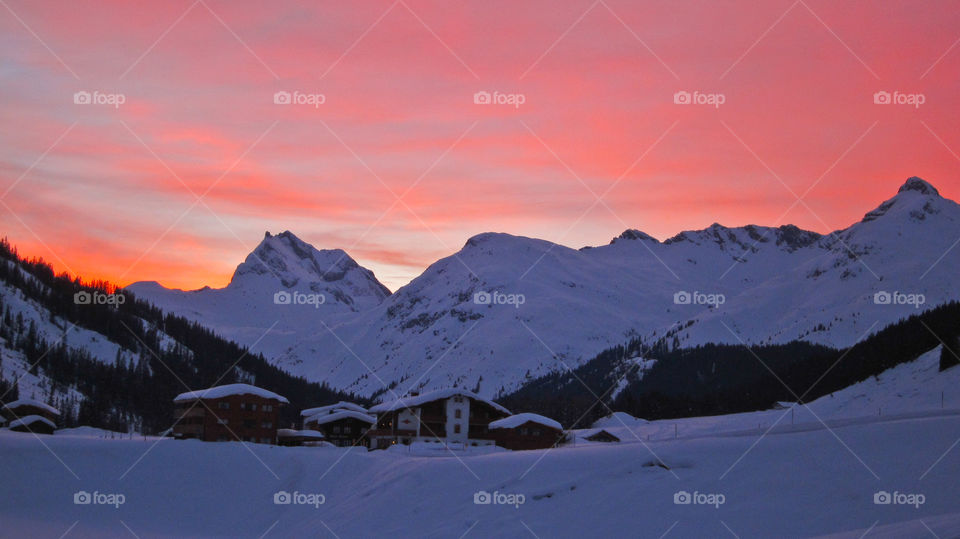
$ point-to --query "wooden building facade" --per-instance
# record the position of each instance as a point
(234, 412)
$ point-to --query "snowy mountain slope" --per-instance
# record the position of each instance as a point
(544, 300)
(505, 308)
(904, 246)
(913, 389)
(315, 285)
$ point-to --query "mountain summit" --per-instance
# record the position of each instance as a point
(295, 262)
(920, 185)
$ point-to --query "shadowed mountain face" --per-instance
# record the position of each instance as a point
(507, 308)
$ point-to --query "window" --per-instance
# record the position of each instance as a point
(253, 407)
(223, 422)
(523, 431)
(536, 432)
(346, 430)
(266, 425)
(221, 438)
(457, 414)
(266, 441)
(223, 405)
(243, 406)
(456, 429)
(267, 407)
(336, 430)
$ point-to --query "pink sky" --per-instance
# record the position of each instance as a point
(111, 192)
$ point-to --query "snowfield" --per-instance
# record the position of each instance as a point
(797, 480)
(791, 484)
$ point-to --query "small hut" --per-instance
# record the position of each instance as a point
(601, 435)
(526, 431)
(33, 423)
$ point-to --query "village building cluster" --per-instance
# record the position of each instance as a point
(243, 412)
(453, 417)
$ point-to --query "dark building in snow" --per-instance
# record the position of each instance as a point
(600, 436)
(526, 431)
(33, 423)
(344, 424)
(292, 437)
(22, 408)
(233, 412)
(449, 416)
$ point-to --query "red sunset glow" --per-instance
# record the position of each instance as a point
(399, 166)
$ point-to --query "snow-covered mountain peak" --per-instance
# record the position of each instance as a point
(920, 185)
(747, 238)
(916, 197)
(634, 234)
(293, 261)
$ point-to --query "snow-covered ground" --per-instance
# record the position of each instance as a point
(801, 478)
(786, 484)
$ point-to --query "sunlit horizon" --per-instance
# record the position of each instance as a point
(385, 149)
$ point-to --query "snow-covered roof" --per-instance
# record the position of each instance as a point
(618, 419)
(519, 419)
(413, 401)
(593, 432)
(30, 402)
(293, 433)
(31, 419)
(324, 418)
(330, 408)
(228, 390)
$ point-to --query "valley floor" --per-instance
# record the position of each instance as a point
(802, 480)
